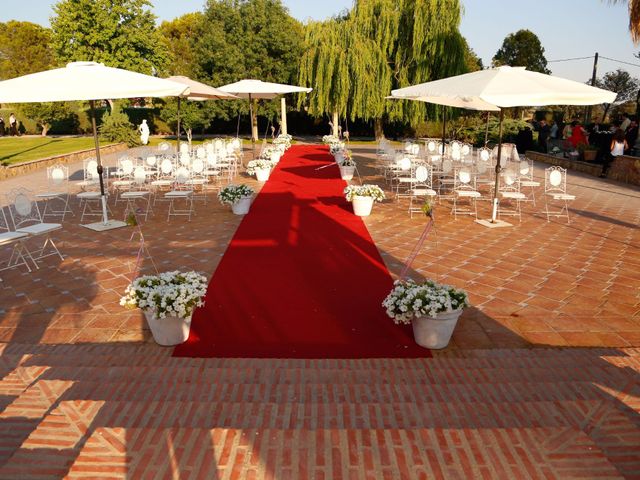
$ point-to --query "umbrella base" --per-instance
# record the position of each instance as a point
(102, 227)
(497, 224)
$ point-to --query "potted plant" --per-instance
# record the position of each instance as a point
(431, 308)
(283, 140)
(362, 198)
(272, 154)
(238, 196)
(261, 168)
(168, 301)
(589, 152)
(330, 139)
(347, 166)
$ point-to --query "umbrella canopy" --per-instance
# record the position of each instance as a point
(257, 90)
(201, 91)
(86, 81)
(90, 81)
(469, 103)
(261, 90)
(506, 87)
(510, 87)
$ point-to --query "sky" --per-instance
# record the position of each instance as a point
(566, 28)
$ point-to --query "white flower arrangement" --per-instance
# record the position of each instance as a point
(232, 193)
(260, 163)
(329, 139)
(266, 153)
(336, 147)
(169, 294)
(283, 139)
(410, 300)
(364, 191)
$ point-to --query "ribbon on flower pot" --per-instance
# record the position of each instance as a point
(428, 211)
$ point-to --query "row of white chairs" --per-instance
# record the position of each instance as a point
(27, 226)
(467, 180)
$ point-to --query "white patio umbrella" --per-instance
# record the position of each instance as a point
(198, 92)
(87, 81)
(257, 89)
(506, 87)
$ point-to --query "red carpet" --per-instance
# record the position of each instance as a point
(301, 278)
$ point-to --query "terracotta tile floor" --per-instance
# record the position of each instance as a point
(537, 283)
(84, 392)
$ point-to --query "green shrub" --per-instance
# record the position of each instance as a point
(116, 127)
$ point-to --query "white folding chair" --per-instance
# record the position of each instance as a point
(124, 174)
(57, 192)
(422, 189)
(526, 179)
(181, 191)
(16, 240)
(138, 194)
(510, 193)
(464, 188)
(555, 189)
(90, 198)
(26, 218)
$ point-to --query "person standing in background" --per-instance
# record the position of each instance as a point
(1, 126)
(626, 121)
(144, 132)
(13, 125)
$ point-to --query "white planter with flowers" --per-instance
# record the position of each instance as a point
(238, 197)
(168, 301)
(362, 198)
(347, 167)
(431, 308)
(261, 168)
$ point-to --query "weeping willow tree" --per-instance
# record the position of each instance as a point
(340, 74)
(355, 61)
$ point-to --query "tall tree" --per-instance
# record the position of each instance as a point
(24, 48)
(390, 44)
(634, 18)
(118, 33)
(247, 39)
(522, 49)
(472, 61)
(45, 114)
(180, 36)
(622, 83)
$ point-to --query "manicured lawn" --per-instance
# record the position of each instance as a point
(23, 149)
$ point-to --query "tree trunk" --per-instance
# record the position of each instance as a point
(377, 129)
(335, 121)
(45, 129)
(189, 136)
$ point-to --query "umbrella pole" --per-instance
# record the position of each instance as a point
(486, 132)
(178, 134)
(103, 197)
(444, 127)
(496, 186)
(253, 139)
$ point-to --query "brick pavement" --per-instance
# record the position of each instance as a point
(85, 393)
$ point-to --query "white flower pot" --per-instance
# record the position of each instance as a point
(347, 173)
(262, 174)
(362, 206)
(168, 331)
(275, 156)
(241, 207)
(338, 157)
(436, 332)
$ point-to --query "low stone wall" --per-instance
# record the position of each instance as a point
(625, 169)
(74, 157)
(590, 168)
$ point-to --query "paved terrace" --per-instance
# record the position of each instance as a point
(539, 283)
(85, 393)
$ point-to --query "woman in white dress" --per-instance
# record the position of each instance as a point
(144, 132)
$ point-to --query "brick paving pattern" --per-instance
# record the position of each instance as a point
(84, 392)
